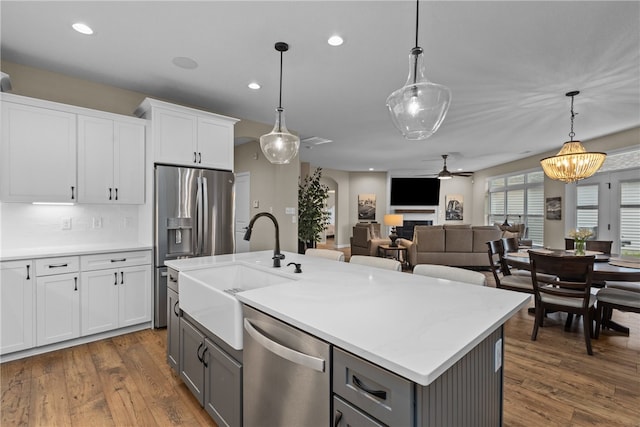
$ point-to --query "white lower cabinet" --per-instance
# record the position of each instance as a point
(115, 297)
(57, 308)
(17, 301)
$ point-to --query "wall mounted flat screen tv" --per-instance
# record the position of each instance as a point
(415, 191)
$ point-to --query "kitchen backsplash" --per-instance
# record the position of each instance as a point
(27, 226)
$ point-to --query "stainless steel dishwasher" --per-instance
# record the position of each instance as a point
(286, 378)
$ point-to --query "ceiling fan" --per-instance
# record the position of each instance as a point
(446, 174)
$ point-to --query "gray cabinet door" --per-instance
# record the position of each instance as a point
(223, 387)
(173, 330)
(191, 366)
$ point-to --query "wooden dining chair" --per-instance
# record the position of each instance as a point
(501, 273)
(603, 246)
(570, 292)
(623, 296)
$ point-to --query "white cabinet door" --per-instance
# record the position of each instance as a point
(99, 301)
(134, 295)
(57, 308)
(38, 154)
(215, 143)
(17, 318)
(110, 161)
(175, 137)
(95, 160)
(128, 166)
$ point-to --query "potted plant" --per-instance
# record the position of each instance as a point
(312, 216)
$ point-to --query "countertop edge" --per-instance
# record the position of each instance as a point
(69, 251)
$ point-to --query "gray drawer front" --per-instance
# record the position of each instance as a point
(389, 397)
(345, 415)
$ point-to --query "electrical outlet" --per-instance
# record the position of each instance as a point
(66, 223)
(256, 204)
(498, 355)
(96, 222)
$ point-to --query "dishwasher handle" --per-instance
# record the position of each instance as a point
(311, 362)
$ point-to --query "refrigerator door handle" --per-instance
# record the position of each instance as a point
(198, 225)
(205, 218)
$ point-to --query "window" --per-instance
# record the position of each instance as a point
(519, 198)
(587, 207)
(630, 218)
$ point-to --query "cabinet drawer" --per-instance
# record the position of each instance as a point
(114, 260)
(59, 265)
(386, 396)
(346, 415)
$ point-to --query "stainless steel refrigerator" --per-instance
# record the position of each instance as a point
(193, 217)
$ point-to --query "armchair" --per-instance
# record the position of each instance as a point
(366, 239)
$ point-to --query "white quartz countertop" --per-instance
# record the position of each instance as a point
(415, 326)
(13, 254)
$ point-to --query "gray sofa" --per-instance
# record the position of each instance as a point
(461, 245)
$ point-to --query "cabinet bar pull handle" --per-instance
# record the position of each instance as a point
(204, 362)
(109, 193)
(173, 279)
(177, 313)
(311, 362)
(28, 266)
(194, 157)
(381, 394)
(122, 277)
(198, 352)
(58, 265)
(75, 280)
(116, 194)
(73, 196)
(119, 260)
(337, 418)
(115, 278)
(199, 157)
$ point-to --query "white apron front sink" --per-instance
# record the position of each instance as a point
(208, 296)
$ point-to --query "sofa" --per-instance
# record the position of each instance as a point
(459, 245)
(366, 239)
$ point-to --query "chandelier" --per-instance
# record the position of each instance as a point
(280, 146)
(418, 108)
(573, 162)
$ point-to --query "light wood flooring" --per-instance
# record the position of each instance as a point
(125, 381)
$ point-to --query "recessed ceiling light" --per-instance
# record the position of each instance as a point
(82, 28)
(371, 169)
(254, 86)
(184, 62)
(335, 40)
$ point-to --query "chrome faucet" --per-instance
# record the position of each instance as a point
(277, 256)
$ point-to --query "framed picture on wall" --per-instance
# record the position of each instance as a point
(454, 211)
(366, 206)
(553, 208)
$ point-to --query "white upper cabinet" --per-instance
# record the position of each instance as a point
(38, 154)
(110, 160)
(189, 137)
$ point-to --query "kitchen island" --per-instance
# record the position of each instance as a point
(415, 327)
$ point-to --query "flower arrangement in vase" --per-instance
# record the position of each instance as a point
(580, 236)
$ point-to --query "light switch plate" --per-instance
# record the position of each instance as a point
(66, 223)
(290, 211)
(498, 355)
(256, 204)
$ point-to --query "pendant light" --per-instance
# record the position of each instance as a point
(279, 146)
(572, 162)
(419, 107)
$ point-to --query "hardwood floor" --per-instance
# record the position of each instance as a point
(125, 381)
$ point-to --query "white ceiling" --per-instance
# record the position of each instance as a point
(508, 64)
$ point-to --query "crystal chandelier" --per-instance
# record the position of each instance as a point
(280, 146)
(573, 162)
(418, 108)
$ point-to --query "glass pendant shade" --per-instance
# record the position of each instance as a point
(279, 146)
(572, 163)
(419, 107)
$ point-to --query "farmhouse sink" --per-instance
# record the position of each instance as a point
(208, 296)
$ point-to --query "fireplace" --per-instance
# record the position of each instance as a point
(406, 231)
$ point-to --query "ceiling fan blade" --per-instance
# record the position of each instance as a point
(465, 174)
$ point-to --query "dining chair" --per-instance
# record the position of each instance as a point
(603, 246)
(570, 292)
(451, 273)
(325, 253)
(501, 273)
(615, 298)
(386, 263)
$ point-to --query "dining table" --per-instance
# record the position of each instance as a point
(606, 267)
